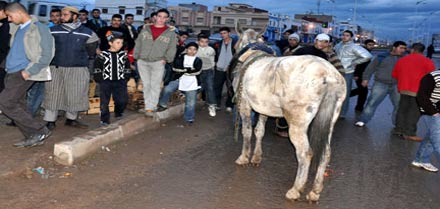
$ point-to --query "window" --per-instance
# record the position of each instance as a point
(229, 21)
(139, 11)
(104, 10)
(200, 20)
(42, 11)
(242, 21)
(217, 20)
(121, 10)
(185, 19)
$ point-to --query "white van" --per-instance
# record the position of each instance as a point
(42, 9)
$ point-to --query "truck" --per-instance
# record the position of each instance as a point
(41, 9)
(436, 42)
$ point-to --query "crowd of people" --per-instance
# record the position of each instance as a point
(57, 67)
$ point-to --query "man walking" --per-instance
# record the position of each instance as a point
(360, 90)
(75, 45)
(384, 84)
(30, 54)
(350, 55)
(408, 72)
(428, 99)
(155, 46)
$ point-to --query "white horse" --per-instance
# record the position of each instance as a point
(306, 90)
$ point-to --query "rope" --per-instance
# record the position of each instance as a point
(243, 69)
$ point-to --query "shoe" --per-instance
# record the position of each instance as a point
(359, 124)
(75, 124)
(229, 109)
(413, 138)
(35, 140)
(189, 123)
(426, 166)
(161, 108)
(103, 124)
(11, 123)
(211, 110)
(50, 125)
(149, 113)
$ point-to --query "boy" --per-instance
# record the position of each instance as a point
(111, 72)
(207, 55)
(186, 68)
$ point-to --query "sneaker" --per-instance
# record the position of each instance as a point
(359, 124)
(426, 166)
(103, 124)
(229, 109)
(211, 109)
(149, 113)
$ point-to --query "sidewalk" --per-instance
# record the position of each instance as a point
(17, 161)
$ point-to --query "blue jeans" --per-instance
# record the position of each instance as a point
(431, 142)
(35, 96)
(348, 80)
(377, 95)
(190, 100)
(207, 80)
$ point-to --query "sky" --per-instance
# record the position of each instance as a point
(390, 19)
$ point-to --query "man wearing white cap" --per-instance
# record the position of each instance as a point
(321, 42)
(294, 41)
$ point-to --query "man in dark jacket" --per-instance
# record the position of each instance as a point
(361, 91)
(116, 25)
(4, 42)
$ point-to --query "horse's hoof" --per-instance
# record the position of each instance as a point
(312, 197)
(256, 164)
(293, 194)
(256, 161)
(242, 161)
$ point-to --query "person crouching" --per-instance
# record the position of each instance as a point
(112, 69)
(186, 67)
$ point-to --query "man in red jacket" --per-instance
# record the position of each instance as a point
(408, 72)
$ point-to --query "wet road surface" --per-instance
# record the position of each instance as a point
(193, 167)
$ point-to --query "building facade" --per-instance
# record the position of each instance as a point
(246, 15)
(139, 8)
(193, 18)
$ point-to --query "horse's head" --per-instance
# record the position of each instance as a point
(248, 36)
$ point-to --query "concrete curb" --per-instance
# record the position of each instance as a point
(82, 146)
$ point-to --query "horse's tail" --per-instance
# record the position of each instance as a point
(321, 126)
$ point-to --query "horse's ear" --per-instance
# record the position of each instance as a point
(238, 29)
(261, 33)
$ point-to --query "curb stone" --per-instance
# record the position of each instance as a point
(81, 146)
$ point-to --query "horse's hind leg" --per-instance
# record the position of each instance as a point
(245, 113)
(318, 184)
(298, 137)
(259, 133)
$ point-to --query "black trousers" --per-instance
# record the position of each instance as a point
(2, 79)
(362, 93)
(219, 81)
(117, 89)
(13, 104)
(407, 115)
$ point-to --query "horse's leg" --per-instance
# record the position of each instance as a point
(259, 133)
(246, 123)
(318, 184)
(298, 136)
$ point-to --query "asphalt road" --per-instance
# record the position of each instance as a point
(193, 167)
